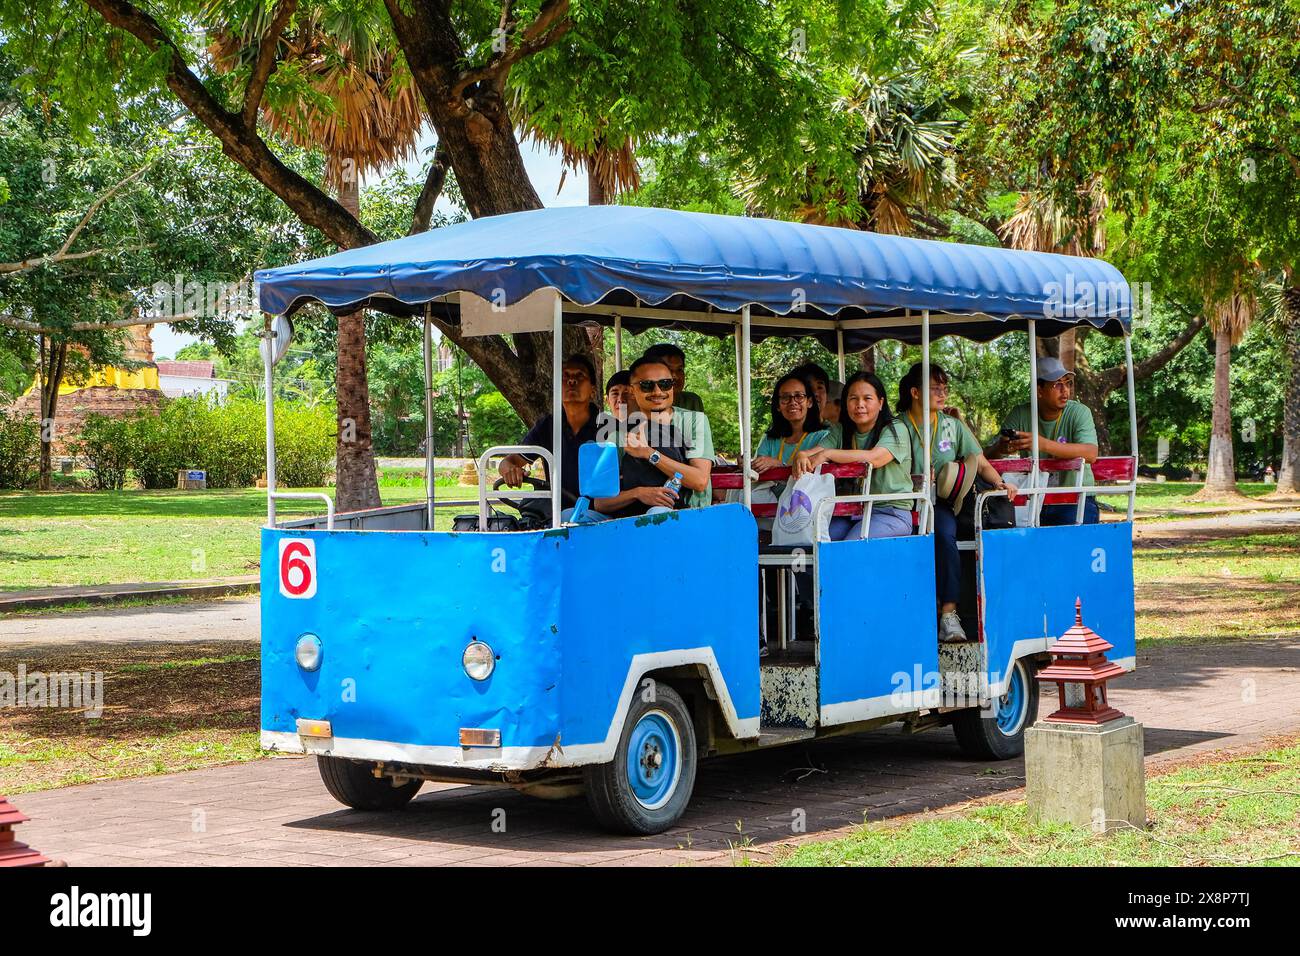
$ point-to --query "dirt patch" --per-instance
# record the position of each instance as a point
(1201, 608)
(165, 708)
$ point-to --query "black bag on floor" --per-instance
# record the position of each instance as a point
(998, 512)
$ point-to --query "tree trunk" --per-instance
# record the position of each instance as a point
(1065, 348)
(1221, 476)
(356, 484)
(51, 377)
(1288, 479)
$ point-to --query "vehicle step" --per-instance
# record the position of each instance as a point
(776, 736)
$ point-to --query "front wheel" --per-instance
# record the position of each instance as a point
(1001, 736)
(647, 785)
(352, 784)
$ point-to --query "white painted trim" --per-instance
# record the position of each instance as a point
(527, 758)
(869, 708)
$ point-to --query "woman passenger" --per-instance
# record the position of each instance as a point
(796, 423)
(950, 440)
(868, 434)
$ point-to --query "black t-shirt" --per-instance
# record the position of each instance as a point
(541, 434)
(635, 472)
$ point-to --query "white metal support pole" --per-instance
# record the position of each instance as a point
(428, 412)
(1036, 502)
(557, 409)
(925, 408)
(268, 352)
(839, 346)
(618, 343)
(1132, 421)
(744, 402)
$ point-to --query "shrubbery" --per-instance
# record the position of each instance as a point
(227, 441)
(20, 450)
(493, 421)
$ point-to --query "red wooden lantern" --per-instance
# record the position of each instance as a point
(13, 853)
(1079, 670)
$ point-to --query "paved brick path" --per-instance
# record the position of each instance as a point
(276, 812)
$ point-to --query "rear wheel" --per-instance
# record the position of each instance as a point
(646, 787)
(1001, 736)
(352, 784)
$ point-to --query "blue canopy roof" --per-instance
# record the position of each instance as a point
(625, 257)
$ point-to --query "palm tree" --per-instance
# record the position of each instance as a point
(1230, 316)
(1040, 224)
(357, 103)
(902, 158)
(1280, 312)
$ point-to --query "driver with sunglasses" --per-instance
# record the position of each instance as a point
(659, 442)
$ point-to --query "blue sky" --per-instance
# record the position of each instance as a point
(543, 168)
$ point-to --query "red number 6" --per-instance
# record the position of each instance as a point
(293, 557)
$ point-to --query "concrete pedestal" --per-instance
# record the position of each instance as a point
(1088, 775)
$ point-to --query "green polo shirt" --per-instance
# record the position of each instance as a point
(689, 401)
(783, 451)
(894, 478)
(1074, 425)
(950, 439)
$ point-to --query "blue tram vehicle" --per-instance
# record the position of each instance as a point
(401, 653)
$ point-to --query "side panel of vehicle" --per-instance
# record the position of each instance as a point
(1031, 578)
(645, 594)
(393, 613)
(879, 650)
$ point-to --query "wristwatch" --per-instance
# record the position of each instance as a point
(654, 458)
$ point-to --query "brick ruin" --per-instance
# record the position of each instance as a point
(110, 400)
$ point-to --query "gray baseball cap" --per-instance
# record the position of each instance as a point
(834, 390)
(1051, 370)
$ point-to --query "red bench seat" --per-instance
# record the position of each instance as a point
(1103, 469)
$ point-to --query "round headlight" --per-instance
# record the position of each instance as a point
(307, 652)
(478, 660)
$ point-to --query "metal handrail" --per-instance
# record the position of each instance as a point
(1082, 491)
(312, 495)
(502, 451)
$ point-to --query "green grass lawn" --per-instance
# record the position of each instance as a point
(117, 537)
(1154, 497)
(1230, 812)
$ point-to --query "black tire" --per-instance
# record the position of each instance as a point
(352, 784)
(987, 738)
(610, 792)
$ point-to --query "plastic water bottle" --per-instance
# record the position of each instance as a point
(674, 484)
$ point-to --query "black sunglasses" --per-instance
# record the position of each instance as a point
(648, 385)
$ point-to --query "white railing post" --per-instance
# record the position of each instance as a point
(1132, 422)
(745, 403)
(429, 460)
(925, 403)
(1035, 504)
(268, 356)
(557, 410)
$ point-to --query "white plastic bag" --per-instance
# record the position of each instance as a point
(797, 507)
(1028, 481)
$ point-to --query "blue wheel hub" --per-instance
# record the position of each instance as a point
(1012, 704)
(653, 760)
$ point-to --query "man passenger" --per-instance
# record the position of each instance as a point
(661, 440)
(582, 423)
(675, 359)
(618, 395)
(1065, 430)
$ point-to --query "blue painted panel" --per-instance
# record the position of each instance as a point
(394, 612)
(878, 616)
(655, 584)
(565, 611)
(1033, 575)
